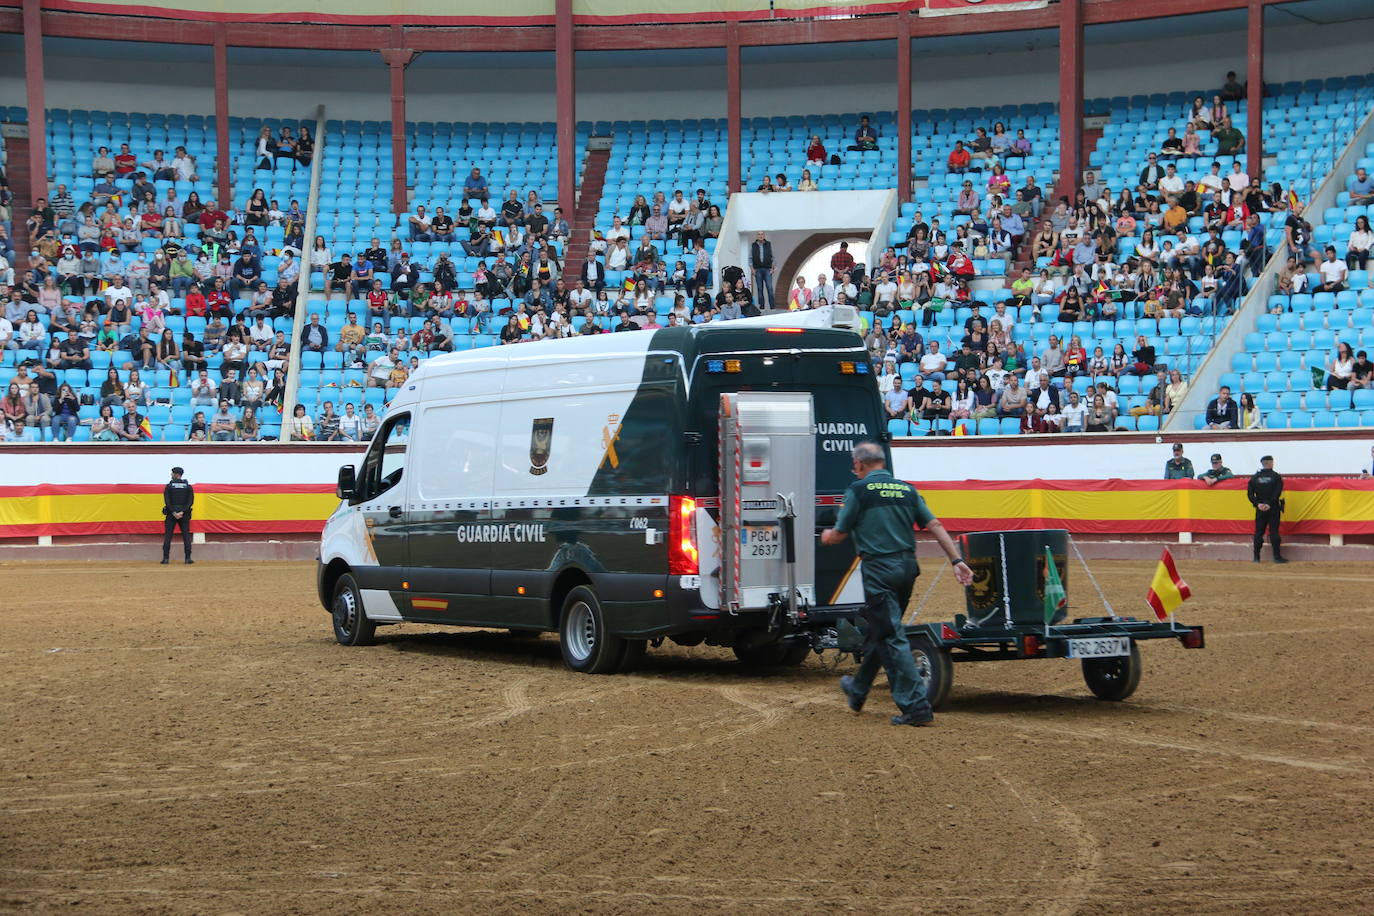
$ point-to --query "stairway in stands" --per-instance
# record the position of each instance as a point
(588, 203)
(17, 170)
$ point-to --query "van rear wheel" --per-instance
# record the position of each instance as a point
(351, 626)
(582, 636)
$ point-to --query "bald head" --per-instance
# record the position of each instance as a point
(869, 455)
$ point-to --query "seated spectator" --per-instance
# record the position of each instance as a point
(1357, 248)
(129, 427)
(982, 146)
(380, 370)
(1013, 400)
(815, 152)
(314, 336)
(420, 225)
(327, 424)
(1222, 412)
(301, 428)
(1073, 415)
(968, 201)
(865, 137)
(959, 158)
(1101, 417)
(1229, 140)
(1153, 171)
(247, 428)
(1361, 188)
(936, 404)
(1340, 369)
(1333, 273)
(475, 185)
(1232, 90)
(1172, 146)
(1020, 147)
(1144, 357)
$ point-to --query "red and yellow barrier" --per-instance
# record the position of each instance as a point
(1122, 507)
(1318, 506)
(86, 509)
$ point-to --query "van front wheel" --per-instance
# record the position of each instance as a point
(582, 636)
(351, 626)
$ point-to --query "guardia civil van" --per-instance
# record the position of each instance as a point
(618, 489)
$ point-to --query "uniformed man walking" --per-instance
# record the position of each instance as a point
(1266, 495)
(177, 499)
(881, 512)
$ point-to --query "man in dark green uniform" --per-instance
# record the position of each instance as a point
(1266, 495)
(881, 512)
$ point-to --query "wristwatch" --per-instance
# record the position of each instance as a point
(956, 561)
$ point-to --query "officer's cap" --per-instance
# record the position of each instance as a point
(178, 471)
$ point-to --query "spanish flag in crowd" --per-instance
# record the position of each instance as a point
(1167, 590)
(628, 285)
(1293, 201)
(145, 429)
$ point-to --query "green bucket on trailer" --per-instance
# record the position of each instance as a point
(1009, 574)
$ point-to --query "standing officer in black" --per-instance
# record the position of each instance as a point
(177, 499)
(882, 512)
(1266, 495)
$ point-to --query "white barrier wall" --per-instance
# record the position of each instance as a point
(943, 459)
(1126, 458)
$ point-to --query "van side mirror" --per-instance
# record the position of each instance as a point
(348, 482)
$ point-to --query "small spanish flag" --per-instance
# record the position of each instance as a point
(628, 285)
(145, 429)
(1167, 589)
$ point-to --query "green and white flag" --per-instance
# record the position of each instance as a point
(1055, 598)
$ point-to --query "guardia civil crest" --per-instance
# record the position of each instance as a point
(541, 443)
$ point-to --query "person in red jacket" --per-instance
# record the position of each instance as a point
(195, 303)
(815, 152)
(959, 158)
(959, 263)
(126, 161)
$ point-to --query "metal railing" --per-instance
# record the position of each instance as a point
(303, 283)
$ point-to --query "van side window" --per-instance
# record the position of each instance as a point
(385, 461)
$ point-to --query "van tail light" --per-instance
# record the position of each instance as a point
(682, 538)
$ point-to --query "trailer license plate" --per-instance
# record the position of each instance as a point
(1102, 647)
(762, 542)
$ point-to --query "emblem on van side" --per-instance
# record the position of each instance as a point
(610, 434)
(541, 443)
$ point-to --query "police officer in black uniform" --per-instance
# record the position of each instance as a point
(1266, 495)
(881, 513)
(177, 499)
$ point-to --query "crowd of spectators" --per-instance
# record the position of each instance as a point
(157, 282)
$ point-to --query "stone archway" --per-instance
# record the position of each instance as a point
(782, 280)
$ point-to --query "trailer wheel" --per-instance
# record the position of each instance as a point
(582, 636)
(351, 626)
(1113, 678)
(936, 668)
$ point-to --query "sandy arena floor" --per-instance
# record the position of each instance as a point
(192, 740)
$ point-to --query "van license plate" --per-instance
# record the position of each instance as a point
(762, 542)
(1102, 647)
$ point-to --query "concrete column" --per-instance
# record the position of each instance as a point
(35, 99)
(565, 73)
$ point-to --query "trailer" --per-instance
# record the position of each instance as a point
(1005, 619)
(1106, 647)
